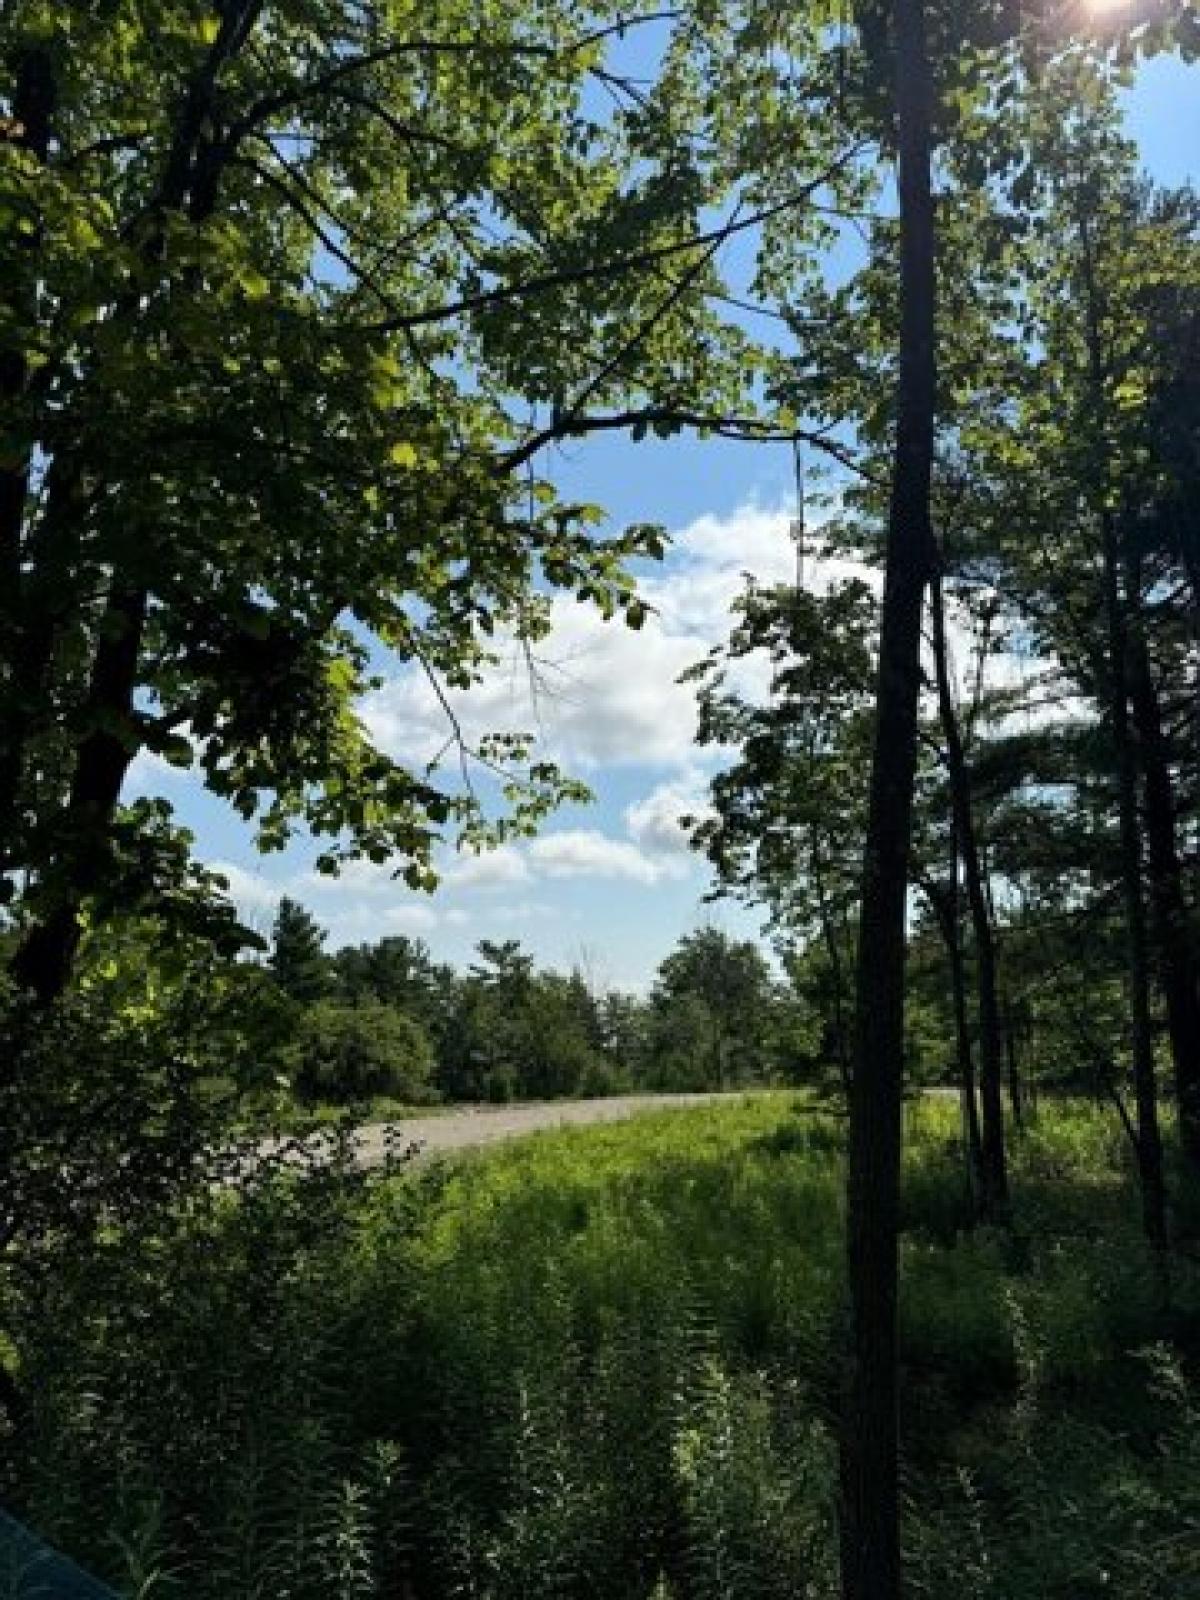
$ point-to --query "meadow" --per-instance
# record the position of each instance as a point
(604, 1362)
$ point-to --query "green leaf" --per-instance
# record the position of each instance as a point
(254, 285)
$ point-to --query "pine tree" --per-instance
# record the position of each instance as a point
(300, 966)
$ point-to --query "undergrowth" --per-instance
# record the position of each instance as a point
(604, 1362)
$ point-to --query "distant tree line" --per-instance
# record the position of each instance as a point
(387, 1019)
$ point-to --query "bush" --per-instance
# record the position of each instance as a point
(189, 1400)
(348, 1053)
(601, 1077)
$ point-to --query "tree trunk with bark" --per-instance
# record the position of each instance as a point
(1149, 1145)
(991, 1046)
(44, 960)
(1173, 943)
(944, 904)
(829, 936)
(870, 1502)
(1016, 1089)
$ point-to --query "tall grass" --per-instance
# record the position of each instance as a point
(605, 1362)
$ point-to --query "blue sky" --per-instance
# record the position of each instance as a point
(612, 884)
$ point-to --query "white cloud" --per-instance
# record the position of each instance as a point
(148, 773)
(609, 696)
(249, 891)
(364, 902)
(490, 869)
(405, 717)
(587, 853)
(413, 916)
(596, 695)
(599, 694)
(354, 878)
(565, 853)
(653, 821)
(524, 913)
(364, 922)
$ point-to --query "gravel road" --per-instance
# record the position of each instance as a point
(470, 1126)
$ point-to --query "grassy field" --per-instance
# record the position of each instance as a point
(603, 1362)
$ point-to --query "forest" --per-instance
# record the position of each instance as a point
(307, 307)
(384, 1021)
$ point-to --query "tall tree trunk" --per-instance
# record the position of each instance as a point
(870, 1507)
(829, 935)
(1016, 1091)
(1174, 947)
(1150, 1157)
(945, 909)
(991, 1047)
(44, 960)
(29, 128)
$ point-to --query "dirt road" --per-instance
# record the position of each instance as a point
(470, 1126)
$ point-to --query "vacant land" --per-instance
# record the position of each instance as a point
(604, 1361)
(468, 1127)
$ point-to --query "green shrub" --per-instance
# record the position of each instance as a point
(354, 1052)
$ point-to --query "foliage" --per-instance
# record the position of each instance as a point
(386, 1021)
(296, 961)
(283, 286)
(790, 807)
(730, 988)
(112, 1100)
(599, 1362)
(353, 1053)
(396, 971)
(295, 299)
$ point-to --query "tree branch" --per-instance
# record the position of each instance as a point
(746, 430)
(270, 104)
(564, 277)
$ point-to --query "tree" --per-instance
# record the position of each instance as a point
(936, 68)
(1149, 1139)
(870, 1485)
(556, 1041)
(519, 1033)
(1080, 384)
(992, 1166)
(396, 971)
(683, 1045)
(789, 810)
(621, 1031)
(725, 988)
(346, 1053)
(282, 285)
(1156, 553)
(299, 965)
(504, 967)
